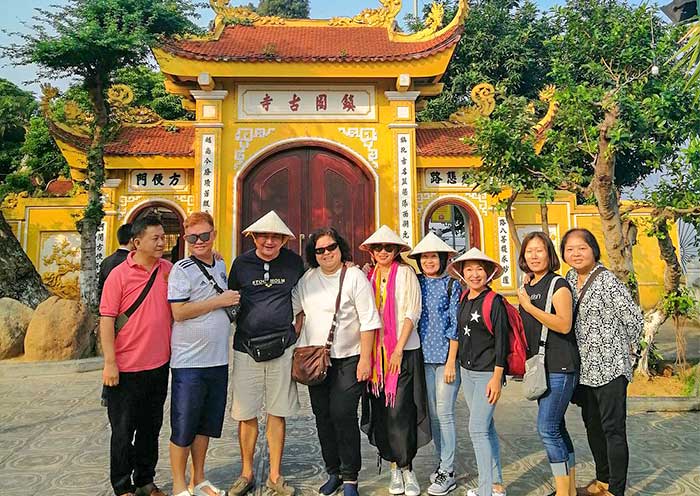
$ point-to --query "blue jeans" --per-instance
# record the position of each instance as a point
(441, 405)
(482, 429)
(551, 425)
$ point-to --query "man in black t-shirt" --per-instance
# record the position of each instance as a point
(262, 347)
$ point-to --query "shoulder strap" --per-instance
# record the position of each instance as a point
(450, 285)
(144, 292)
(206, 274)
(596, 272)
(486, 309)
(334, 324)
(547, 308)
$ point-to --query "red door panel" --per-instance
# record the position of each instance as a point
(312, 188)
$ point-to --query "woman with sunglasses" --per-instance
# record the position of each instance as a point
(395, 416)
(437, 329)
(334, 401)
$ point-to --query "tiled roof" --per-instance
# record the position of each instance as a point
(153, 141)
(139, 141)
(308, 44)
(443, 141)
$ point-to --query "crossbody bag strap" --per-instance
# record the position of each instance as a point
(547, 308)
(135, 305)
(596, 272)
(334, 324)
(206, 273)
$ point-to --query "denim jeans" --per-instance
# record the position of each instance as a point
(482, 429)
(441, 405)
(551, 425)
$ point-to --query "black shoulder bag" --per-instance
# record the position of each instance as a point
(232, 311)
(123, 318)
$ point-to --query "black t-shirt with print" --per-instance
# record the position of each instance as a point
(561, 351)
(266, 295)
(479, 349)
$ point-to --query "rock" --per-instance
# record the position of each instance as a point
(59, 330)
(14, 320)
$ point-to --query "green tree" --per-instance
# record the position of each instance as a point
(502, 44)
(676, 196)
(16, 109)
(149, 91)
(91, 40)
(622, 117)
(292, 9)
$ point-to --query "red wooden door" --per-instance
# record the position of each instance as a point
(310, 188)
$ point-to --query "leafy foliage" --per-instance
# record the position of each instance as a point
(16, 109)
(292, 9)
(502, 44)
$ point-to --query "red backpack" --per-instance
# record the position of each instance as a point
(517, 341)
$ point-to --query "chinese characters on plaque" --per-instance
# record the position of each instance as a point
(100, 243)
(446, 178)
(504, 251)
(162, 180)
(306, 103)
(207, 173)
(405, 188)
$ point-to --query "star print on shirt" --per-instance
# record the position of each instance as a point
(475, 317)
(467, 331)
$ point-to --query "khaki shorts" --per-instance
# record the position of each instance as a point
(270, 381)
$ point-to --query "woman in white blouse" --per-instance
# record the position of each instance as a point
(334, 401)
(395, 416)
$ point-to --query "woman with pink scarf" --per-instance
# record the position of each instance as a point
(395, 412)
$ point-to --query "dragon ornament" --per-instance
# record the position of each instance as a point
(383, 16)
(243, 14)
(547, 95)
(484, 97)
(120, 97)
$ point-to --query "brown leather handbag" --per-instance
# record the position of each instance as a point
(310, 363)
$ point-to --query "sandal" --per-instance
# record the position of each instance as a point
(199, 489)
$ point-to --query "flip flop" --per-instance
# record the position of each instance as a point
(199, 489)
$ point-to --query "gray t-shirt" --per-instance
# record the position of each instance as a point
(201, 341)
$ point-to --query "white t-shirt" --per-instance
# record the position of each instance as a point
(315, 294)
(201, 341)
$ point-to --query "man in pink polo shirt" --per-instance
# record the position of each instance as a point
(136, 360)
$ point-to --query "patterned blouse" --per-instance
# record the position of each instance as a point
(438, 320)
(608, 327)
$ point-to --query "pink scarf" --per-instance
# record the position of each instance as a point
(383, 348)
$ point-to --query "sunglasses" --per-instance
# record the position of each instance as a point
(192, 238)
(389, 248)
(266, 275)
(321, 249)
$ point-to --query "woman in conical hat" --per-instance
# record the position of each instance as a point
(395, 417)
(437, 329)
(482, 354)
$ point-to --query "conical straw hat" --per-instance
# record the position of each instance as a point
(429, 244)
(384, 235)
(455, 268)
(269, 223)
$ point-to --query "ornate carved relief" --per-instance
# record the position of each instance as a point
(245, 136)
(383, 16)
(368, 136)
(242, 15)
(60, 263)
(483, 95)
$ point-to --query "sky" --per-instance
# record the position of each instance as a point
(17, 12)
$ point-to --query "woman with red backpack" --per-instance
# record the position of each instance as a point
(483, 354)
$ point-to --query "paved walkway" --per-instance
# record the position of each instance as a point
(54, 440)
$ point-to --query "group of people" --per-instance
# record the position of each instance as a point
(402, 345)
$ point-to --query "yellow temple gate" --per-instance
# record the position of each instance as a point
(313, 118)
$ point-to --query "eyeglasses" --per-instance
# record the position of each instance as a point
(192, 238)
(321, 249)
(389, 248)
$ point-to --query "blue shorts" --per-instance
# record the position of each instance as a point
(197, 403)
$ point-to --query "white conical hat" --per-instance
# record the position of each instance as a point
(429, 244)
(455, 268)
(384, 235)
(269, 223)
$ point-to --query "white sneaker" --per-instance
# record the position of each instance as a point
(474, 492)
(396, 484)
(433, 476)
(443, 484)
(410, 482)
